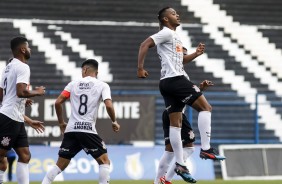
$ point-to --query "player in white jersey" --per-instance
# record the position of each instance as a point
(13, 93)
(80, 133)
(176, 89)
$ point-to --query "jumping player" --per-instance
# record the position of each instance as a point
(176, 88)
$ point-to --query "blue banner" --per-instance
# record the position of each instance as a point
(127, 163)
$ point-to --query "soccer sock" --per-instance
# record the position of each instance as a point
(187, 152)
(51, 175)
(164, 164)
(104, 174)
(176, 143)
(2, 176)
(204, 125)
(22, 173)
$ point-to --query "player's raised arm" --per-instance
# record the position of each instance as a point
(190, 57)
(143, 50)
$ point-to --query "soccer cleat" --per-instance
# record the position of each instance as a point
(163, 181)
(184, 173)
(211, 154)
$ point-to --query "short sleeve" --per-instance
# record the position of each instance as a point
(69, 87)
(106, 92)
(23, 74)
(162, 36)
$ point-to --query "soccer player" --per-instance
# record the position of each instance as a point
(165, 173)
(176, 88)
(80, 133)
(13, 93)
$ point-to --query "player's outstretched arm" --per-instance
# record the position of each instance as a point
(59, 111)
(35, 124)
(23, 92)
(190, 57)
(143, 50)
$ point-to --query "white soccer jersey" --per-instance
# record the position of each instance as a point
(170, 51)
(85, 97)
(14, 73)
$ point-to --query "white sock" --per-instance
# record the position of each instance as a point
(187, 152)
(104, 174)
(2, 176)
(176, 143)
(51, 175)
(204, 125)
(22, 173)
(164, 164)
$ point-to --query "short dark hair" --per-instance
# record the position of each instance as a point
(161, 13)
(15, 42)
(90, 62)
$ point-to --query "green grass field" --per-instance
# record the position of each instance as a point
(174, 182)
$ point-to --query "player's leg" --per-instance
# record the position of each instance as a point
(21, 147)
(55, 170)
(188, 137)
(204, 125)
(187, 152)
(104, 168)
(165, 163)
(175, 136)
(96, 147)
(70, 146)
(8, 133)
(168, 154)
(22, 170)
(3, 164)
(174, 97)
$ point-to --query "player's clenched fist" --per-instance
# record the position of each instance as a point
(141, 73)
(40, 90)
(200, 49)
(115, 126)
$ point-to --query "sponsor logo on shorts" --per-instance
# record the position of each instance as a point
(5, 141)
(185, 100)
(167, 108)
(90, 150)
(64, 150)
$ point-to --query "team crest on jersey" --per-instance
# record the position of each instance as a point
(5, 141)
(196, 88)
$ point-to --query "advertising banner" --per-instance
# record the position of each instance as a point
(127, 163)
(135, 114)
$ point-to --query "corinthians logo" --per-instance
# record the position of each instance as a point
(5, 141)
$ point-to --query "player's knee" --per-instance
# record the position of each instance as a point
(103, 159)
(206, 107)
(24, 157)
(3, 164)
